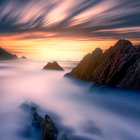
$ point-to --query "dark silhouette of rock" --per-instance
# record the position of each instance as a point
(23, 57)
(53, 66)
(118, 66)
(47, 126)
(44, 128)
(4, 55)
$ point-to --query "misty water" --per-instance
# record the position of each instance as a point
(80, 113)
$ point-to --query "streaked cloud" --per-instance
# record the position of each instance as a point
(110, 19)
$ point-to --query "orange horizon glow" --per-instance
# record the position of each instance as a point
(51, 48)
(66, 29)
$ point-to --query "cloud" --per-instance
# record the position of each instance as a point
(70, 18)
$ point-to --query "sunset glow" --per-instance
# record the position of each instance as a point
(50, 49)
(69, 69)
(66, 29)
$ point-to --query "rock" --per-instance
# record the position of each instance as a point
(49, 129)
(53, 66)
(42, 128)
(84, 69)
(118, 66)
(4, 55)
(23, 57)
(46, 126)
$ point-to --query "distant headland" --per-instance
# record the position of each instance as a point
(5, 55)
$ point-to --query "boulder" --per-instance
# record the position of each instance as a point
(53, 66)
(118, 66)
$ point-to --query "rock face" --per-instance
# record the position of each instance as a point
(4, 55)
(43, 128)
(46, 125)
(53, 66)
(118, 66)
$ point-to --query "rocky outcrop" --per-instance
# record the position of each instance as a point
(23, 57)
(118, 66)
(47, 126)
(4, 55)
(39, 127)
(53, 66)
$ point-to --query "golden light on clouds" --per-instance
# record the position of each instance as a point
(49, 48)
(66, 29)
(44, 46)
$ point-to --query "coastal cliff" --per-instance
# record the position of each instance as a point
(118, 66)
(4, 55)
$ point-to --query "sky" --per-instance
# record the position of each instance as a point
(66, 29)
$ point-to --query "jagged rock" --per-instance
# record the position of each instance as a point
(53, 66)
(84, 69)
(118, 66)
(23, 57)
(44, 128)
(46, 125)
(4, 55)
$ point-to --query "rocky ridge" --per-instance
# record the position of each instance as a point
(118, 66)
(47, 126)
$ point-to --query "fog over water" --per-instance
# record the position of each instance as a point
(77, 111)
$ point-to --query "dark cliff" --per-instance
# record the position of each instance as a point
(118, 66)
(4, 55)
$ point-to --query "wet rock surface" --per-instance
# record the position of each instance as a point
(118, 66)
(53, 66)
